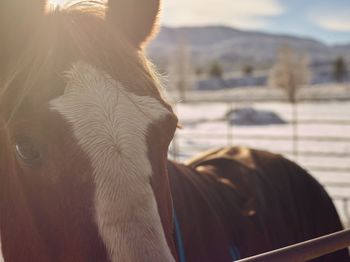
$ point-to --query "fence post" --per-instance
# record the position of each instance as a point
(229, 124)
(295, 130)
(175, 146)
(175, 151)
(345, 201)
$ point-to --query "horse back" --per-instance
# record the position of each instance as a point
(238, 202)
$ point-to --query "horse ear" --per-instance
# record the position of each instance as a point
(18, 18)
(137, 19)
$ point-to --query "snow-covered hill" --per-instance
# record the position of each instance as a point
(234, 47)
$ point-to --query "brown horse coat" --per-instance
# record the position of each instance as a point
(249, 200)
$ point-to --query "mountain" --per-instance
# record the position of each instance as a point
(234, 48)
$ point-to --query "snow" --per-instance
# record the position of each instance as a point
(324, 137)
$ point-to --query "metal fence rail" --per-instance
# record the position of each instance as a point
(307, 250)
(205, 136)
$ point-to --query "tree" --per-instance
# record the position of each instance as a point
(290, 73)
(215, 70)
(340, 70)
(180, 70)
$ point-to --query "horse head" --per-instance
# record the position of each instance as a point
(84, 133)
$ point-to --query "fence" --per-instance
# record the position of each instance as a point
(305, 251)
(323, 149)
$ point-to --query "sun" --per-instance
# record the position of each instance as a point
(57, 2)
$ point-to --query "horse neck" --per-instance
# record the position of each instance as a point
(161, 187)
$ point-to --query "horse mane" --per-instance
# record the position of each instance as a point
(76, 31)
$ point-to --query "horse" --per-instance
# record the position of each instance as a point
(85, 128)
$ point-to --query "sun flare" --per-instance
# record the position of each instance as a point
(57, 2)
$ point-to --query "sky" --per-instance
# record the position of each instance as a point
(325, 20)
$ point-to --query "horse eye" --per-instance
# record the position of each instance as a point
(27, 150)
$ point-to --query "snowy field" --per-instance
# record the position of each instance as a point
(323, 146)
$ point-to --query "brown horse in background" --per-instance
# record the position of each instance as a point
(84, 134)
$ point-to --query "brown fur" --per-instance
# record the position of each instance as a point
(133, 24)
(46, 210)
(253, 200)
(64, 36)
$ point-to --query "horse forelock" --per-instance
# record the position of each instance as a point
(64, 36)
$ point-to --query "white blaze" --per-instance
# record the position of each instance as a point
(110, 124)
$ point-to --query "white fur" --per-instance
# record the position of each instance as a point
(110, 125)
